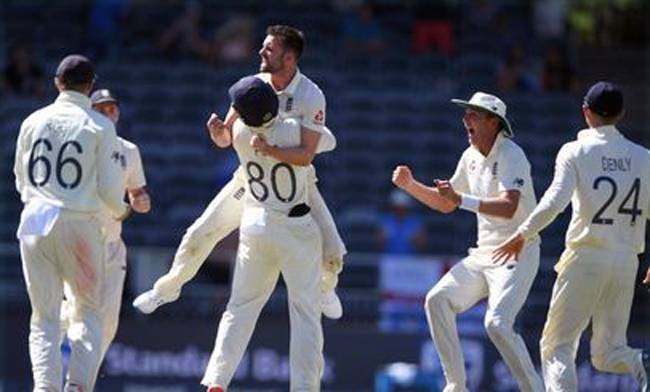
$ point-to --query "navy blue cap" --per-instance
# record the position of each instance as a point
(101, 96)
(255, 100)
(604, 99)
(75, 69)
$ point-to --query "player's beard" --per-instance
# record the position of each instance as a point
(272, 65)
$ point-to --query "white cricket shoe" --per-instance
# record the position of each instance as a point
(331, 305)
(150, 300)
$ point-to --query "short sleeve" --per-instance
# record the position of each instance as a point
(515, 172)
(314, 111)
(135, 172)
(459, 179)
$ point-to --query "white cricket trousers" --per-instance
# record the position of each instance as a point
(594, 285)
(291, 246)
(222, 217)
(112, 290)
(72, 252)
(506, 288)
(111, 297)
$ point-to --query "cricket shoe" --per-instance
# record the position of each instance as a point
(331, 305)
(150, 300)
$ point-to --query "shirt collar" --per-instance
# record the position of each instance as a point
(74, 97)
(293, 85)
(604, 131)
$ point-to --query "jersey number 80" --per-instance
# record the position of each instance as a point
(260, 190)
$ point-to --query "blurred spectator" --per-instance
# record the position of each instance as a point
(22, 76)
(513, 74)
(104, 35)
(432, 28)
(401, 231)
(183, 37)
(233, 41)
(362, 31)
(557, 72)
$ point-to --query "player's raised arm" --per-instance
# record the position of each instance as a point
(221, 130)
(430, 196)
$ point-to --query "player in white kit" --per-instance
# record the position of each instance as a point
(493, 180)
(300, 98)
(277, 235)
(133, 182)
(607, 179)
(66, 173)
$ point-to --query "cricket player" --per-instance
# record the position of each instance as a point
(493, 181)
(607, 179)
(277, 235)
(67, 172)
(301, 99)
(133, 182)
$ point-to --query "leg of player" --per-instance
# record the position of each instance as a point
(333, 252)
(43, 284)
(609, 350)
(509, 287)
(571, 307)
(254, 279)
(458, 290)
(84, 276)
(301, 270)
(219, 219)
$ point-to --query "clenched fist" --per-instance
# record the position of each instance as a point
(402, 176)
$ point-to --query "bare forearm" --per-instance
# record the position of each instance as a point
(298, 156)
(429, 196)
(221, 138)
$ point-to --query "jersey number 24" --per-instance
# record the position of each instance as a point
(624, 207)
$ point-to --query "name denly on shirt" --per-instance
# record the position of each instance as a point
(615, 164)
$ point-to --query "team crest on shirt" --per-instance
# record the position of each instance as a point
(289, 105)
(518, 182)
(119, 158)
(472, 166)
(495, 169)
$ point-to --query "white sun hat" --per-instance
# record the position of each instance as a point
(488, 103)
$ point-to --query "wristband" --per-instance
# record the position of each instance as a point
(469, 202)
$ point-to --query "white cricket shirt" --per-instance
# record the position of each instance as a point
(271, 184)
(67, 155)
(504, 168)
(304, 101)
(132, 176)
(607, 179)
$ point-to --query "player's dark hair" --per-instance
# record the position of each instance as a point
(292, 38)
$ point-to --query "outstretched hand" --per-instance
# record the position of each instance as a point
(509, 249)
